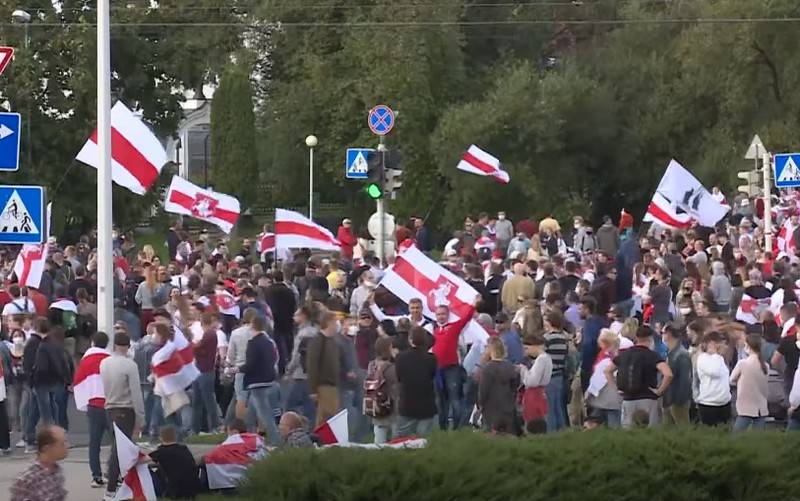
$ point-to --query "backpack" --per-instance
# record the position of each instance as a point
(377, 401)
(630, 374)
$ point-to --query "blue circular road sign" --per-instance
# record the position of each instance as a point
(381, 120)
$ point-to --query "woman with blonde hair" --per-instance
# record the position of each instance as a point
(149, 253)
(602, 396)
(535, 250)
(627, 334)
(750, 378)
(145, 295)
(497, 390)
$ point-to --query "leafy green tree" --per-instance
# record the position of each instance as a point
(234, 168)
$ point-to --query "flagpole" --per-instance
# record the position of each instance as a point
(105, 268)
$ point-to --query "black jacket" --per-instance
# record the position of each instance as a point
(259, 364)
(49, 367)
(281, 301)
(416, 370)
(29, 354)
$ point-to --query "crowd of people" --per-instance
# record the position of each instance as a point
(584, 329)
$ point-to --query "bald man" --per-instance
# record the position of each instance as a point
(293, 431)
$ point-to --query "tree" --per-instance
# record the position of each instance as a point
(234, 168)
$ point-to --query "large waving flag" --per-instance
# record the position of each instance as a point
(188, 199)
(661, 211)
(87, 384)
(414, 275)
(477, 161)
(295, 231)
(137, 484)
(173, 366)
(227, 463)
(684, 194)
(334, 430)
(137, 155)
(750, 309)
(29, 265)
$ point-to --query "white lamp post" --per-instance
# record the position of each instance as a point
(311, 142)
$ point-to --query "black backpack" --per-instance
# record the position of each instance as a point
(630, 374)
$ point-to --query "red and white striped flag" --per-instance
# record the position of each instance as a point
(137, 483)
(137, 155)
(173, 366)
(189, 199)
(785, 241)
(334, 430)
(414, 275)
(29, 265)
(477, 161)
(227, 463)
(226, 303)
(266, 242)
(397, 443)
(665, 214)
(87, 384)
(750, 309)
(295, 231)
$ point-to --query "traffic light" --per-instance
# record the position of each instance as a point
(753, 178)
(392, 173)
(374, 187)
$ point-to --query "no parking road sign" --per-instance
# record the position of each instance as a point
(381, 120)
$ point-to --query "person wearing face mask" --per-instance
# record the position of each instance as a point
(712, 386)
(637, 370)
(360, 295)
(504, 230)
(15, 383)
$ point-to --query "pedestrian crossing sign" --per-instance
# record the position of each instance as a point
(22, 216)
(787, 170)
(356, 164)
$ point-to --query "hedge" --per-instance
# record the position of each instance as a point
(699, 464)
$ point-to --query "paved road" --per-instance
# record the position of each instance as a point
(76, 471)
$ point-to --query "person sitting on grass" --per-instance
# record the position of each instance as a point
(294, 431)
(177, 470)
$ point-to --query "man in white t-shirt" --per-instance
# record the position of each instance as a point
(19, 303)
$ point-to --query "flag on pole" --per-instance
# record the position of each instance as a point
(173, 366)
(87, 385)
(137, 482)
(227, 463)
(415, 275)
(188, 199)
(334, 430)
(295, 231)
(684, 194)
(477, 161)
(137, 155)
(29, 265)
(266, 242)
(665, 214)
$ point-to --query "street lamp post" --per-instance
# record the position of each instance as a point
(311, 142)
(105, 270)
(22, 17)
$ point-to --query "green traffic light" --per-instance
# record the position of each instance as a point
(373, 191)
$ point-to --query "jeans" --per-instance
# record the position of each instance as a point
(43, 408)
(407, 427)
(61, 399)
(744, 422)
(470, 395)
(265, 400)
(204, 399)
(449, 396)
(125, 419)
(181, 420)
(611, 417)
(298, 400)
(5, 428)
(97, 427)
(556, 410)
(793, 423)
(149, 399)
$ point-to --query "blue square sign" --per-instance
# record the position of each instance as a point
(10, 126)
(22, 220)
(787, 170)
(355, 166)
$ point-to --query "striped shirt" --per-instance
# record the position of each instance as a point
(556, 347)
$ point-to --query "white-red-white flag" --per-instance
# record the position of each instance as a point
(750, 309)
(685, 193)
(87, 385)
(29, 265)
(137, 155)
(477, 161)
(189, 199)
(137, 483)
(665, 214)
(295, 231)
(226, 303)
(173, 366)
(397, 443)
(785, 241)
(334, 430)
(227, 463)
(266, 242)
(415, 275)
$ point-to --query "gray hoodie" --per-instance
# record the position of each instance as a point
(720, 284)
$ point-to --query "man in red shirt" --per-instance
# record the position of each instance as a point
(205, 356)
(445, 348)
(346, 239)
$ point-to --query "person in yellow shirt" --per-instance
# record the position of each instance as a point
(549, 223)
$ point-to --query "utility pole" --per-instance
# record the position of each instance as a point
(381, 204)
(766, 167)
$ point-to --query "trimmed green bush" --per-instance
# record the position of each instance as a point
(697, 464)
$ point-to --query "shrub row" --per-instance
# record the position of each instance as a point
(699, 464)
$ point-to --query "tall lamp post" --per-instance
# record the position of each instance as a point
(20, 16)
(311, 142)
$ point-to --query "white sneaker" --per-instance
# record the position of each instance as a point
(30, 449)
(109, 496)
(20, 444)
